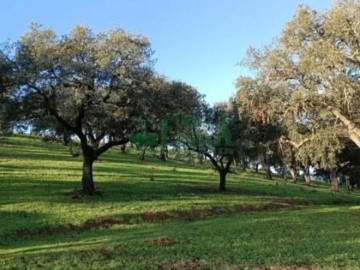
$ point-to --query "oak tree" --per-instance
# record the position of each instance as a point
(90, 84)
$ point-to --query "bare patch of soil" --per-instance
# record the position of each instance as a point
(106, 253)
(196, 213)
(161, 241)
(71, 228)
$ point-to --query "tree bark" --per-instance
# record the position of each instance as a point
(334, 181)
(307, 177)
(200, 158)
(88, 186)
(256, 168)
(353, 130)
(122, 149)
(348, 183)
(66, 139)
(244, 164)
(142, 154)
(163, 155)
(266, 164)
(268, 172)
(293, 174)
(222, 185)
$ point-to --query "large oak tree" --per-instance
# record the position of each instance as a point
(310, 81)
(92, 85)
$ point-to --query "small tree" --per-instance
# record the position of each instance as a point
(143, 140)
(210, 137)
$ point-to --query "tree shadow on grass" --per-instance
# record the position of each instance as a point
(21, 220)
(246, 240)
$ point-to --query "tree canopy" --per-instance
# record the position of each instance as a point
(91, 85)
(308, 81)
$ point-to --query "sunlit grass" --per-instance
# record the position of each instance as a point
(36, 176)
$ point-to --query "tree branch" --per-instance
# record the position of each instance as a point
(294, 144)
(110, 144)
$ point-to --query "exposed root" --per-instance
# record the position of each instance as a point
(79, 193)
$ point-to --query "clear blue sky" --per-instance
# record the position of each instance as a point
(196, 41)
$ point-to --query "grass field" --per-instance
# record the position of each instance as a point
(165, 215)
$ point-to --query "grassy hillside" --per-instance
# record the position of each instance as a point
(164, 215)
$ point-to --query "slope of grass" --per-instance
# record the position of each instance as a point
(35, 178)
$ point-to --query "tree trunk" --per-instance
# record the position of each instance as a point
(256, 168)
(293, 174)
(334, 181)
(268, 172)
(353, 130)
(235, 162)
(163, 155)
(244, 164)
(307, 177)
(266, 164)
(122, 149)
(88, 186)
(222, 186)
(142, 154)
(348, 183)
(66, 139)
(200, 158)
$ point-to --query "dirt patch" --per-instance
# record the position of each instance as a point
(156, 216)
(106, 253)
(86, 253)
(118, 248)
(23, 233)
(161, 242)
(288, 202)
(71, 228)
(190, 215)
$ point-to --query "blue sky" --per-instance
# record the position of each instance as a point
(196, 41)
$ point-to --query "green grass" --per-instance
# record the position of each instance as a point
(36, 176)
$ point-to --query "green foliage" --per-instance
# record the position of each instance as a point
(83, 80)
(307, 83)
